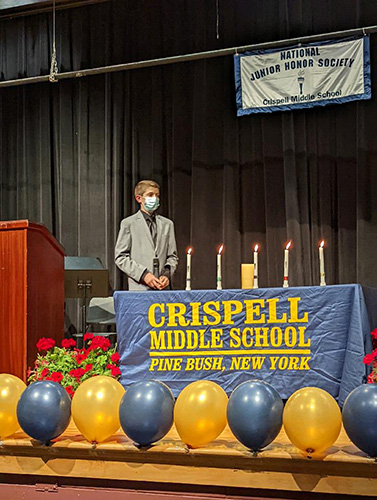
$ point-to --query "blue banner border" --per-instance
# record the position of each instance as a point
(270, 109)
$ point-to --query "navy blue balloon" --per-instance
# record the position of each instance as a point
(360, 418)
(255, 413)
(44, 410)
(146, 411)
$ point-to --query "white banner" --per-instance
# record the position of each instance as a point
(303, 76)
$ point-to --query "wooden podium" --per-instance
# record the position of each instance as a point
(31, 293)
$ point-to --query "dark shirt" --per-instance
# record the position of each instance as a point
(152, 225)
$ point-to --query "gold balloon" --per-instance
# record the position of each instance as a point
(95, 408)
(11, 388)
(200, 413)
(312, 419)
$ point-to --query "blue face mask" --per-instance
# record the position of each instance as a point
(151, 203)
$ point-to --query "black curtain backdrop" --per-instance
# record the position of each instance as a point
(71, 152)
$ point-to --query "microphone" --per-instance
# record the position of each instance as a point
(156, 267)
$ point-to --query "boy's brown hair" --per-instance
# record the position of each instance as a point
(142, 186)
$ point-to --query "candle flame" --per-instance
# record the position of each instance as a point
(221, 249)
(256, 248)
(189, 250)
(288, 245)
(322, 244)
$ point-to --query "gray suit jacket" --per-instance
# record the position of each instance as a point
(135, 251)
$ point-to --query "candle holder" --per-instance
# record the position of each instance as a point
(247, 276)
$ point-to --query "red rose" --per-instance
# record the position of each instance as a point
(81, 357)
(70, 390)
(114, 370)
(88, 367)
(43, 374)
(77, 374)
(115, 357)
(100, 343)
(88, 336)
(369, 358)
(56, 377)
(67, 343)
(44, 344)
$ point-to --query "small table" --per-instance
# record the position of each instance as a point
(289, 337)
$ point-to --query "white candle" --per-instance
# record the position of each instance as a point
(219, 282)
(255, 284)
(322, 280)
(188, 269)
(286, 265)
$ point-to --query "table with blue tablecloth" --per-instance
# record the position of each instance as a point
(289, 337)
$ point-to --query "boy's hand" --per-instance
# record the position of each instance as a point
(152, 281)
(164, 280)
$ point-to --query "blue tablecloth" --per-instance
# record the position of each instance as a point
(289, 337)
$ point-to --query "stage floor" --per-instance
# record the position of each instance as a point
(343, 469)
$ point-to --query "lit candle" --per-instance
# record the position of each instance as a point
(219, 283)
(322, 281)
(286, 264)
(188, 268)
(255, 285)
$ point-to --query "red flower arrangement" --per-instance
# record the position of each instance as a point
(70, 366)
(371, 359)
(45, 344)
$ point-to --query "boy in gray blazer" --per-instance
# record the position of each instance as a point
(146, 249)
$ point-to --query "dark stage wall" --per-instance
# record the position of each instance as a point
(72, 151)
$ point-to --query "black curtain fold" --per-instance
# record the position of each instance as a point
(71, 152)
